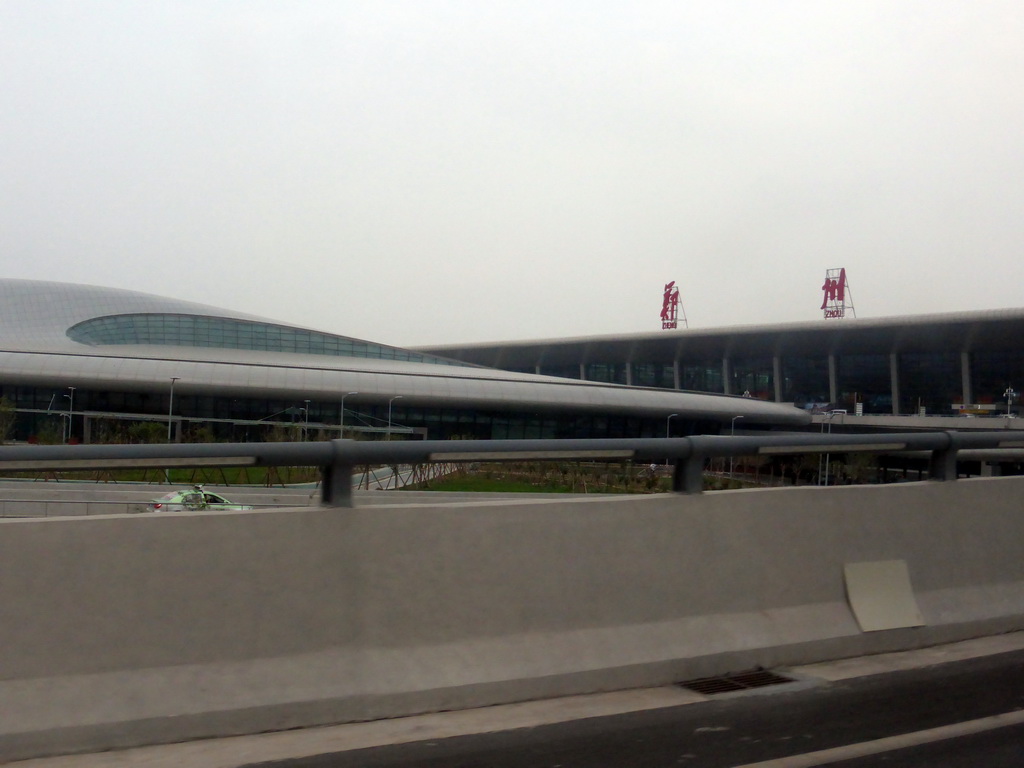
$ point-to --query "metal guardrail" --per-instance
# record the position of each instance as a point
(338, 459)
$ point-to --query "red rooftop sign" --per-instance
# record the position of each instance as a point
(670, 306)
(833, 304)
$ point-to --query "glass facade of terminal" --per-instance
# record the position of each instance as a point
(108, 416)
(929, 380)
(993, 372)
(882, 383)
(864, 379)
(702, 376)
(805, 379)
(753, 375)
(561, 371)
(223, 333)
(609, 373)
(653, 375)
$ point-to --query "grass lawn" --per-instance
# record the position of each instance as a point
(480, 484)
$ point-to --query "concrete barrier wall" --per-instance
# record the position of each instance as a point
(134, 629)
(9, 508)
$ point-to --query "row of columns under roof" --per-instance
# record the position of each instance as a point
(833, 377)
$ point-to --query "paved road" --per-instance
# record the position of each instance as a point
(774, 724)
(841, 706)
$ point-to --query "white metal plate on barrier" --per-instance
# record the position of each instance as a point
(72, 464)
(532, 455)
(830, 448)
(881, 596)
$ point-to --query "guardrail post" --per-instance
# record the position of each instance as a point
(688, 474)
(336, 485)
(942, 465)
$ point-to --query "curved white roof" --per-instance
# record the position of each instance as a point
(36, 315)
(680, 336)
(35, 349)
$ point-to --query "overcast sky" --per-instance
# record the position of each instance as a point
(438, 172)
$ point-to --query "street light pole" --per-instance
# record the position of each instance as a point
(341, 424)
(668, 431)
(396, 397)
(823, 471)
(170, 421)
(732, 433)
(170, 409)
(71, 412)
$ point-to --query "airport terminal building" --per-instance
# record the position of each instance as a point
(86, 364)
(944, 364)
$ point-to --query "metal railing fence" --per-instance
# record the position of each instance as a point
(338, 459)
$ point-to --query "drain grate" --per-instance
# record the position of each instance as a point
(739, 681)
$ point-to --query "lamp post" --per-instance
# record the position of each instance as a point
(396, 397)
(1009, 394)
(341, 424)
(170, 408)
(170, 417)
(823, 471)
(668, 430)
(71, 412)
(732, 433)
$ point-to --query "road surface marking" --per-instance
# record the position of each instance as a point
(890, 743)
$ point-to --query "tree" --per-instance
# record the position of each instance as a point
(201, 434)
(50, 433)
(147, 432)
(7, 415)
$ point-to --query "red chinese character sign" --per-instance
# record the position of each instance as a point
(671, 307)
(836, 291)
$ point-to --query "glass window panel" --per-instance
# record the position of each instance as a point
(702, 376)
(992, 372)
(805, 380)
(187, 330)
(754, 375)
(929, 380)
(653, 375)
(612, 373)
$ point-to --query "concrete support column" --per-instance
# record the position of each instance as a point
(833, 379)
(676, 378)
(726, 376)
(86, 430)
(777, 377)
(965, 378)
(583, 372)
(629, 373)
(894, 381)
